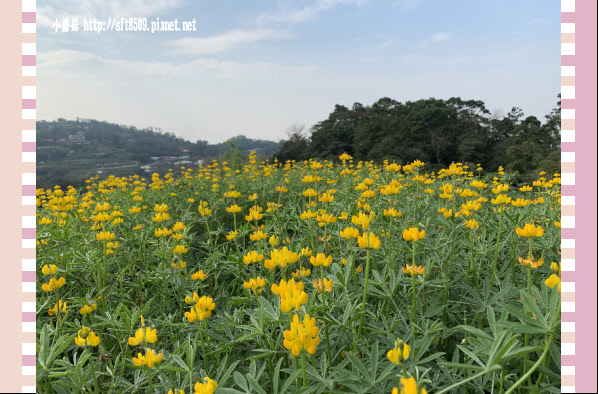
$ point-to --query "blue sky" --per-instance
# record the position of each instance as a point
(258, 67)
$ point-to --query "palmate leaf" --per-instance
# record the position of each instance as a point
(359, 366)
(524, 318)
(44, 345)
(462, 366)
(472, 356)
(255, 385)
(474, 331)
(240, 381)
(533, 307)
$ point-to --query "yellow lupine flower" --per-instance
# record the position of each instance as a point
(143, 336)
(479, 184)
(232, 194)
(520, 202)
(291, 294)
(414, 270)
(445, 212)
(553, 280)
(252, 257)
(306, 252)
(302, 336)
(530, 231)
(45, 221)
(413, 234)
(308, 215)
(49, 269)
(180, 249)
(162, 232)
(199, 275)
(501, 199)
(87, 309)
(178, 226)
(179, 265)
(161, 208)
(204, 210)
(59, 307)
(281, 257)
(258, 236)
(53, 284)
(556, 268)
(301, 273)
(530, 262)
(349, 232)
(207, 387)
(400, 353)
(233, 209)
(105, 236)
(325, 219)
(202, 309)
(320, 259)
(161, 217)
(149, 359)
(500, 189)
(408, 386)
(257, 285)
(326, 198)
(232, 235)
(393, 212)
(254, 214)
(363, 220)
(86, 338)
(326, 286)
(471, 224)
(369, 241)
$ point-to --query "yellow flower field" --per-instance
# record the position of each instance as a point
(300, 278)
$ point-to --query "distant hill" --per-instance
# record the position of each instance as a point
(70, 151)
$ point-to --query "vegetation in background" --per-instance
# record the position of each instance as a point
(64, 161)
(439, 132)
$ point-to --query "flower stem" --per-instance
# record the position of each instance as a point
(365, 292)
(414, 304)
(534, 367)
(203, 345)
(502, 208)
(149, 378)
(303, 368)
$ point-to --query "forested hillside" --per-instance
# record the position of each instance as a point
(70, 151)
(437, 132)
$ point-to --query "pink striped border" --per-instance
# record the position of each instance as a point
(568, 197)
(578, 240)
(28, 220)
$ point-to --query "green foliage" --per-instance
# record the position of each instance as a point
(435, 131)
(64, 161)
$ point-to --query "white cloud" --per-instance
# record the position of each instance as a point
(305, 14)
(66, 60)
(223, 42)
(437, 37)
(409, 4)
(441, 37)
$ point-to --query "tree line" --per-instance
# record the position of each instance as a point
(435, 131)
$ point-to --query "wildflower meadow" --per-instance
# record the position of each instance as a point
(300, 277)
